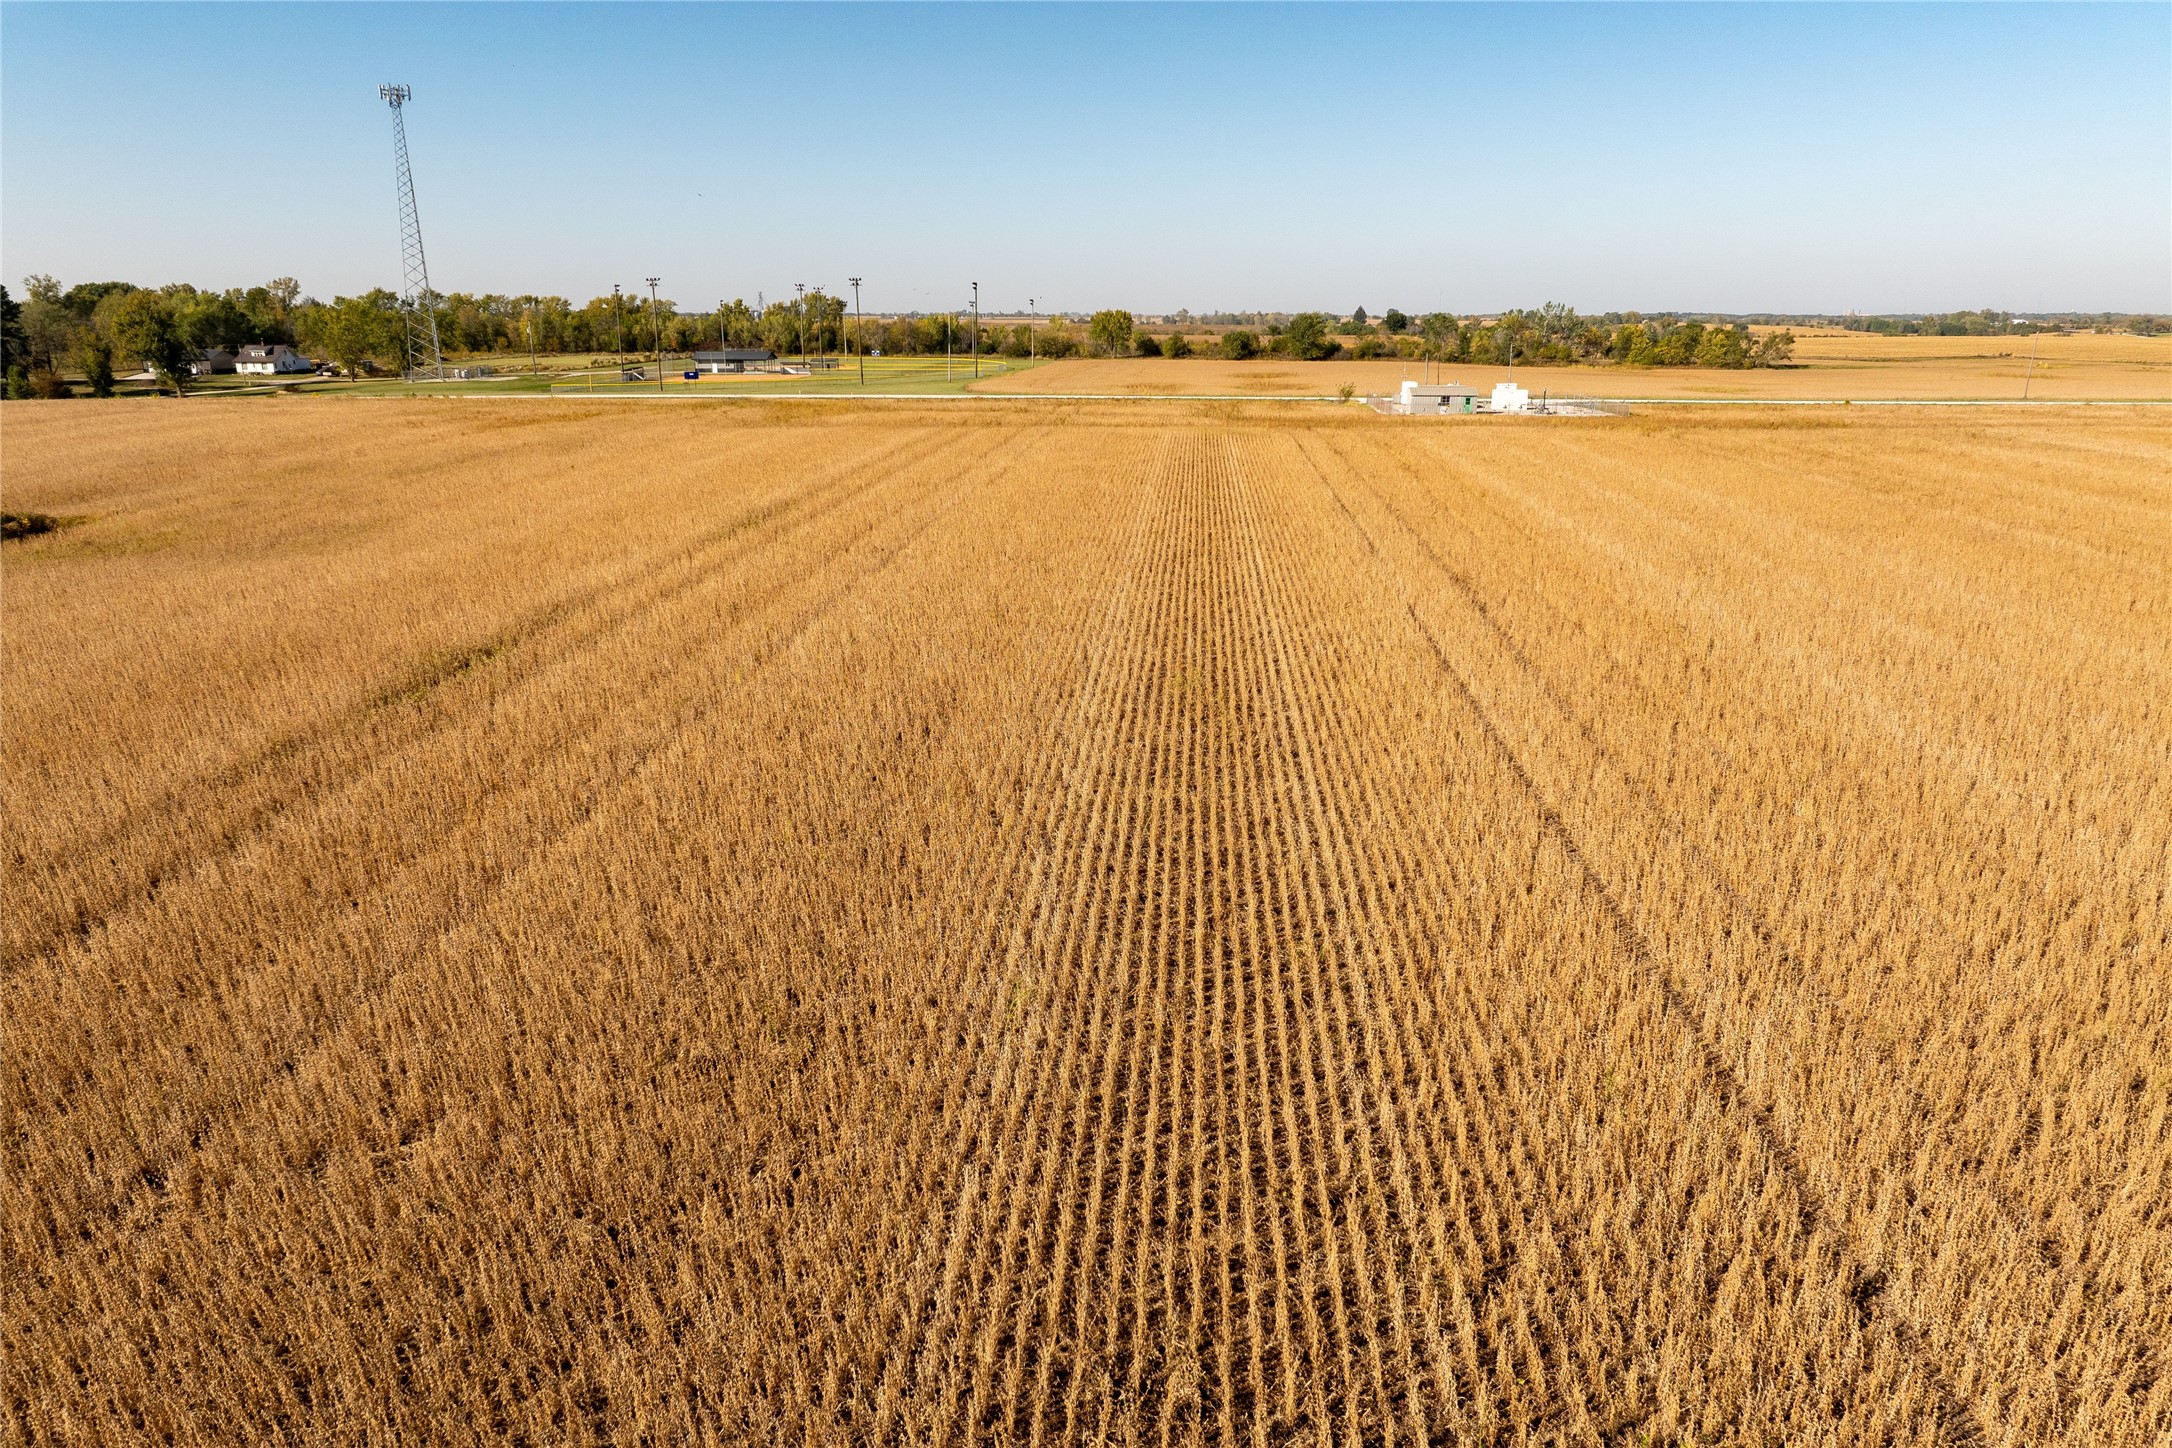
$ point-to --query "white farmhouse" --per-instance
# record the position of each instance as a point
(273, 359)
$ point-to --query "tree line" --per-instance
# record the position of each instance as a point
(1989, 322)
(96, 328)
(1551, 335)
(56, 339)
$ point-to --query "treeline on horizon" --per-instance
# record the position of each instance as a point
(93, 330)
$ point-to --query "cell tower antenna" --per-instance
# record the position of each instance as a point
(418, 304)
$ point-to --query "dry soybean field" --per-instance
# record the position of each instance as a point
(1086, 924)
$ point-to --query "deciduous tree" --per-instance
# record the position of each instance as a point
(144, 328)
(1306, 338)
(1109, 333)
(1239, 345)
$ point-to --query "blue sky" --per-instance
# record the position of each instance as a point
(1470, 157)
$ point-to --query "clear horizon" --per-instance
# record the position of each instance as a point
(1801, 159)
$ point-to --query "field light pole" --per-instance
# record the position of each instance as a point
(531, 340)
(1032, 316)
(801, 288)
(618, 331)
(976, 329)
(656, 322)
(859, 329)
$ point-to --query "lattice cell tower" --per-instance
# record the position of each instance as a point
(417, 302)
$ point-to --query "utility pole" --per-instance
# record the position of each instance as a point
(802, 289)
(2030, 375)
(859, 329)
(976, 329)
(618, 332)
(1032, 344)
(656, 321)
(531, 340)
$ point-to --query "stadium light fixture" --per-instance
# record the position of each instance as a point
(656, 322)
(859, 329)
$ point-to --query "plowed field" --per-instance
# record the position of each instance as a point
(1159, 923)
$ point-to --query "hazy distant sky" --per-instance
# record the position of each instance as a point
(1702, 157)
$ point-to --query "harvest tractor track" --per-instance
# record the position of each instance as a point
(1046, 926)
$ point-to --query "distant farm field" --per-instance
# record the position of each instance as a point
(1079, 924)
(1830, 365)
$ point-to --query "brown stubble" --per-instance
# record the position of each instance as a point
(1065, 925)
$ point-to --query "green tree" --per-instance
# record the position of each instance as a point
(94, 355)
(1724, 347)
(48, 330)
(13, 346)
(1057, 339)
(83, 298)
(1109, 333)
(1677, 346)
(1178, 345)
(1773, 349)
(1395, 321)
(1439, 330)
(1306, 337)
(144, 328)
(1145, 345)
(736, 325)
(1358, 317)
(356, 331)
(1239, 345)
(211, 319)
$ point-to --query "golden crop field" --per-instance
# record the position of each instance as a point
(1048, 924)
(1830, 365)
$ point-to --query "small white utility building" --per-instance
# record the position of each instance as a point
(1432, 397)
(1508, 397)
